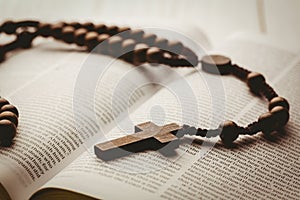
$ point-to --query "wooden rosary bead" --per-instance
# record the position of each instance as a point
(100, 28)
(124, 32)
(216, 64)
(154, 55)
(255, 82)
(44, 30)
(3, 102)
(79, 36)
(114, 45)
(75, 25)
(281, 115)
(124, 28)
(267, 122)
(9, 116)
(112, 30)
(149, 38)
(127, 50)
(9, 27)
(103, 43)
(7, 132)
(25, 39)
(91, 40)
(88, 26)
(175, 47)
(128, 45)
(161, 43)
(10, 108)
(190, 56)
(103, 37)
(56, 30)
(68, 34)
(279, 101)
(136, 34)
(229, 132)
(139, 55)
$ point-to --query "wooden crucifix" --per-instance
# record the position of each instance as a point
(147, 136)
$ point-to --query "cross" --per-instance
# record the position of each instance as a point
(147, 136)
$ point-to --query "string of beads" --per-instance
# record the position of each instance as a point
(137, 47)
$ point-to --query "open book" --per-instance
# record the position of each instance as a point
(52, 155)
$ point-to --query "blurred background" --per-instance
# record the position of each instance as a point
(279, 19)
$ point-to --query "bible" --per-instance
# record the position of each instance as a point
(53, 157)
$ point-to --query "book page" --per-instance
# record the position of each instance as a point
(50, 135)
(204, 169)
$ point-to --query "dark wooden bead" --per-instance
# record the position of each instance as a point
(100, 28)
(44, 29)
(9, 116)
(10, 108)
(161, 43)
(91, 36)
(112, 30)
(91, 40)
(56, 30)
(114, 45)
(68, 34)
(103, 37)
(128, 45)
(216, 64)
(139, 55)
(122, 29)
(79, 36)
(175, 47)
(136, 34)
(7, 132)
(279, 101)
(103, 43)
(9, 27)
(229, 132)
(255, 82)
(3, 102)
(88, 26)
(127, 50)
(267, 122)
(75, 25)
(149, 38)
(124, 32)
(281, 115)
(190, 56)
(154, 55)
(25, 39)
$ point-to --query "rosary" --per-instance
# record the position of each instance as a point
(139, 48)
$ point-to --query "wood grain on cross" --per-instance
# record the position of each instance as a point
(147, 136)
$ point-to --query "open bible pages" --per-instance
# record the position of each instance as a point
(49, 137)
(256, 168)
